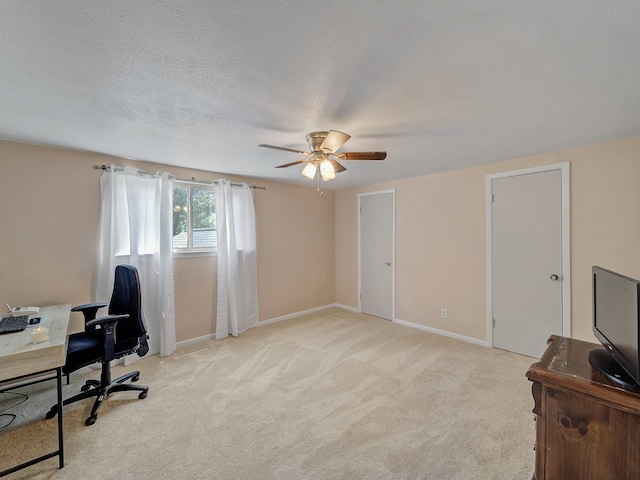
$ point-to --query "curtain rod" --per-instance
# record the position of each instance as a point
(193, 180)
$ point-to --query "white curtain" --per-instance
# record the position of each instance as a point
(237, 262)
(136, 228)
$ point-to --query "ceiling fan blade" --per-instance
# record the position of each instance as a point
(337, 167)
(291, 164)
(363, 155)
(284, 149)
(334, 140)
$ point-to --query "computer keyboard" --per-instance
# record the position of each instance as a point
(14, 324)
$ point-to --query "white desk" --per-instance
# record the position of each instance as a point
(19, 358)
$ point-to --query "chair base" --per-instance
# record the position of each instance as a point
(94, 388)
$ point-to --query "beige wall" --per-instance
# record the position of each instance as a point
(49, 222)
(440, 236)
(307, 244)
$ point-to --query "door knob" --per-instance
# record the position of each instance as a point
(387, 263)
(554, 277)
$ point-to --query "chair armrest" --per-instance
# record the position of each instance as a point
(89, 310)
(108, 327)
(86, 306)
(107, 319)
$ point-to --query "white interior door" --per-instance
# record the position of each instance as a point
(377, 255)
(527, 260)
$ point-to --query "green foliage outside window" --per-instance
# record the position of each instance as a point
(194, 218)
(180, 217)
(203, 212)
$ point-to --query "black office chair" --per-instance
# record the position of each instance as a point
(122, 332)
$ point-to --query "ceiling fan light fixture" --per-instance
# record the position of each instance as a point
(327, 171)
(309, 170)
(322, 155)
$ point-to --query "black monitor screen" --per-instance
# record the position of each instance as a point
(615, 316)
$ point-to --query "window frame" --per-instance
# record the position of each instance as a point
(191, 251)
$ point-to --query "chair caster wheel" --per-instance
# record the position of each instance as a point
(142, 395)
(50, 414)
(91, 420)
(85, 387)
(136, 378)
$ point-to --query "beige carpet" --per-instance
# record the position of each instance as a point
(331, 395)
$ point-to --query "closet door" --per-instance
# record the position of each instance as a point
(527, 261)
(377, 253)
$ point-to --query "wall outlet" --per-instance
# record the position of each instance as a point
(444, 313)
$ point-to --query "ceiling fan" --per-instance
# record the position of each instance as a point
(323, 154)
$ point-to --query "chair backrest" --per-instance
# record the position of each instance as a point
(127, 298)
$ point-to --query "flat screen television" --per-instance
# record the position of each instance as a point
(616, 324)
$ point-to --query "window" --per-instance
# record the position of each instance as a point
(194, 218)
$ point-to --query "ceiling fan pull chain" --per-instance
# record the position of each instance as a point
(320, 185)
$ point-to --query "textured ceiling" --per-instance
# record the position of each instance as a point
(439, 85)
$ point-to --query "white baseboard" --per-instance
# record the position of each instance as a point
(191, 341)
(346, 307)
(443, 333)
(263, 323)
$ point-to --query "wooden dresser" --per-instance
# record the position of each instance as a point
(586, 426)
